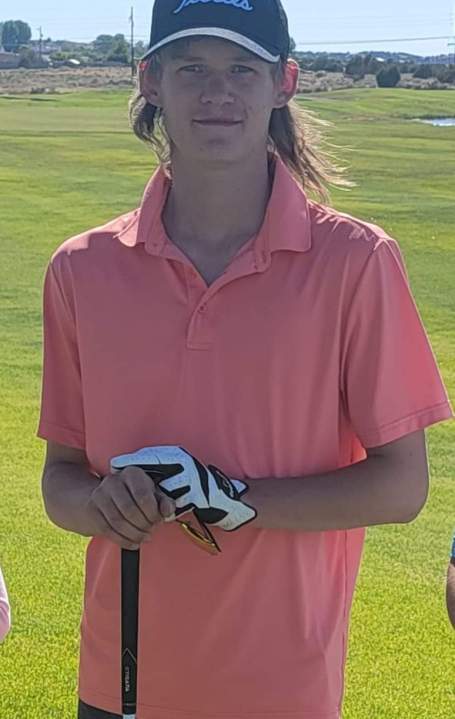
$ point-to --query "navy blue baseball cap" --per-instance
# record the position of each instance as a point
(260, 26)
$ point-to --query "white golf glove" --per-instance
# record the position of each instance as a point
(214, 498)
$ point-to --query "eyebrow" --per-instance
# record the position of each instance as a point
(194, 58)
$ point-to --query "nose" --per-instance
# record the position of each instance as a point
(216, 90)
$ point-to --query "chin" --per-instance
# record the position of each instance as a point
(215, 154)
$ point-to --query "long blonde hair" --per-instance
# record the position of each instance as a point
(297, 135)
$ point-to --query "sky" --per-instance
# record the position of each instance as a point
(350, 26)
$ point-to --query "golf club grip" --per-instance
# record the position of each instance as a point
(130, 622)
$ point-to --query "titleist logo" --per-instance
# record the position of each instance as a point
(240, 4)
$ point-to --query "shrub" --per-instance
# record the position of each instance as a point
(388, 76)
(29, 58)
(424, 72)
(444, 73)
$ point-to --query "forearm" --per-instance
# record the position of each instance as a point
(66, 491)
(450, 594)
(5, 619)
(361, 495)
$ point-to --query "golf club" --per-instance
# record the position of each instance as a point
(130, 619)
(130, 563)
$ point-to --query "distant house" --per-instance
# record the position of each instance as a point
(9, 60)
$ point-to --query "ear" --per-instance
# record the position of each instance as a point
(289, 83)
(149, 83)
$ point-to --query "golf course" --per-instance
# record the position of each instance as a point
(69, 162)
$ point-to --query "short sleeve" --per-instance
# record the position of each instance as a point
(62, 416)
(391, 383)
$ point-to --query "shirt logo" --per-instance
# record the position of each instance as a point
(240, 4)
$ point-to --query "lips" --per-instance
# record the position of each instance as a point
(219, 122)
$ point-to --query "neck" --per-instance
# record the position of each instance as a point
(216, 209)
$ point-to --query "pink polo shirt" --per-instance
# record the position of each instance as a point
(307, 350)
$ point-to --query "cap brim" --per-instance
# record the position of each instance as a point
(216, 32)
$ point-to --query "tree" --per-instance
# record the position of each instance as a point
(29, 58)
(120, 50)
(14, 34)
(104, 44)
(139, 49)
(10, 36)
(371, 65)
(408, 68)
(24, 32)
(292, 46)
(323, 61)
(355, 67)
(443, 73)
(388, 76)
(319, 63)
(334, 66)
(424, 72)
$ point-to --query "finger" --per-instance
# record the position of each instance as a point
(134, 495)
(108, 532)
(176, 486)
(142, 497)
(166, 505)
(120, 524)
(130, 511)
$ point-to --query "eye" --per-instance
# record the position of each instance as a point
(191, 68)
(242, 69)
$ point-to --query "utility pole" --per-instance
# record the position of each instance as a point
(40, 44)
(451, 43)
(452, 57)
(133, 61)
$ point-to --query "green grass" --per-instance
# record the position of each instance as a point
(70, 162)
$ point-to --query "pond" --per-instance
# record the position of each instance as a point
(440, 121)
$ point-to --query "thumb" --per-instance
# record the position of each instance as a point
(166, 506)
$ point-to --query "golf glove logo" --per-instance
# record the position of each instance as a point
(213, 497)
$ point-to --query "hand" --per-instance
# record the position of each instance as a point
(126, 507)
(215, 499)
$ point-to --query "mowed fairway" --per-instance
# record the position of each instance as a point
(70, 162)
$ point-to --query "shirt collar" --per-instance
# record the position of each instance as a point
(286, 224)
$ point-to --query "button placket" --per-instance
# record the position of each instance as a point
(200, 328)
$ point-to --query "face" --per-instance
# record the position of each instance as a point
(217, 99)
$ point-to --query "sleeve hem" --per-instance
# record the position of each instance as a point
(407, 425)
(62, 435)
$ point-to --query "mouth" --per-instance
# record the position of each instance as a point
(218, 123)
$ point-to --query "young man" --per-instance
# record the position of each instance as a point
(241, 326)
